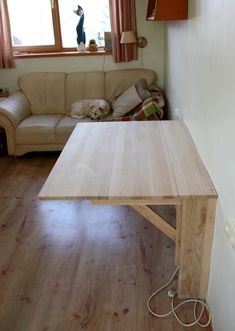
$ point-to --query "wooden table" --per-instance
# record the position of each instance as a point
(141, 164)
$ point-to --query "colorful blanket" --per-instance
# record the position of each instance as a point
(150, 109)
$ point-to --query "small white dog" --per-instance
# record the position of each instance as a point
(94, 108)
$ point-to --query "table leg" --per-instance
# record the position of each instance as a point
(193, 246)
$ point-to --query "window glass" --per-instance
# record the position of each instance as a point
(31, 22)
(96, 20)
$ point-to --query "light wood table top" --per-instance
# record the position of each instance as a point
(129, 160)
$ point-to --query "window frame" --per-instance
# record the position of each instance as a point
(57, 48)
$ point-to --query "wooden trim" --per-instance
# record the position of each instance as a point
(36, 49)
(56, 24)
(59, 54)
(156, 220)
(134, 202)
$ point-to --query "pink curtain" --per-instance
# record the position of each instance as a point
(6, 53)
(123, 18)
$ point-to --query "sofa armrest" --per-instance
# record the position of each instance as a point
(15, 108)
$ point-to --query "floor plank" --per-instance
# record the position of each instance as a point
(69, 265)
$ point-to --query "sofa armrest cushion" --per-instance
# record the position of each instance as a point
(15, 108)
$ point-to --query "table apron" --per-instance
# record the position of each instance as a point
(137, 202)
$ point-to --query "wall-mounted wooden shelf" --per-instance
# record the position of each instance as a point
(166, 10)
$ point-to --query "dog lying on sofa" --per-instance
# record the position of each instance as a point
(93, 108)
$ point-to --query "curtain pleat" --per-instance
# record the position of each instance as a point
(123, 18)
(6, 53)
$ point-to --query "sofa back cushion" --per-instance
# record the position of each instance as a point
(54, 92)
(118, 81)
(45, 92)
(84, 85)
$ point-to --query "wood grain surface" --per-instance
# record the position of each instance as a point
(196, 236)
(72, 266)
(128, 160)
(190, 174)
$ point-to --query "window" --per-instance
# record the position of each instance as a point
(50, 25)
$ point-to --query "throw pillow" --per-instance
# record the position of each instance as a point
(142, 89)
(130, 99)
(126, 102)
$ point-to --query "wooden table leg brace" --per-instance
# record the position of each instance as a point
(156, 220)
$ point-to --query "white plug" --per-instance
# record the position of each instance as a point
(171, 293)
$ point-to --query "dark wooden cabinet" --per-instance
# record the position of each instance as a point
(3, 142)
(166, 10)
(4, 93)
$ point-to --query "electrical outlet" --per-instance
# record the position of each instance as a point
(177, 113)
(230, 232)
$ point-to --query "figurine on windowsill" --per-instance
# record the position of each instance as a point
(92, 47)
(81, 36)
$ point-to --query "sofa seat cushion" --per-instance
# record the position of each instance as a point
(65, 127)
(37, 129)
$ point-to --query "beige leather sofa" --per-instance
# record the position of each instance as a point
(36, 118)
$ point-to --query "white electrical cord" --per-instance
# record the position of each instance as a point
(172, 295)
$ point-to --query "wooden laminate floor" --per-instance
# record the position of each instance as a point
(70, 266)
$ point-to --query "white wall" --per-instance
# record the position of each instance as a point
(151, 57)
(200, 83)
